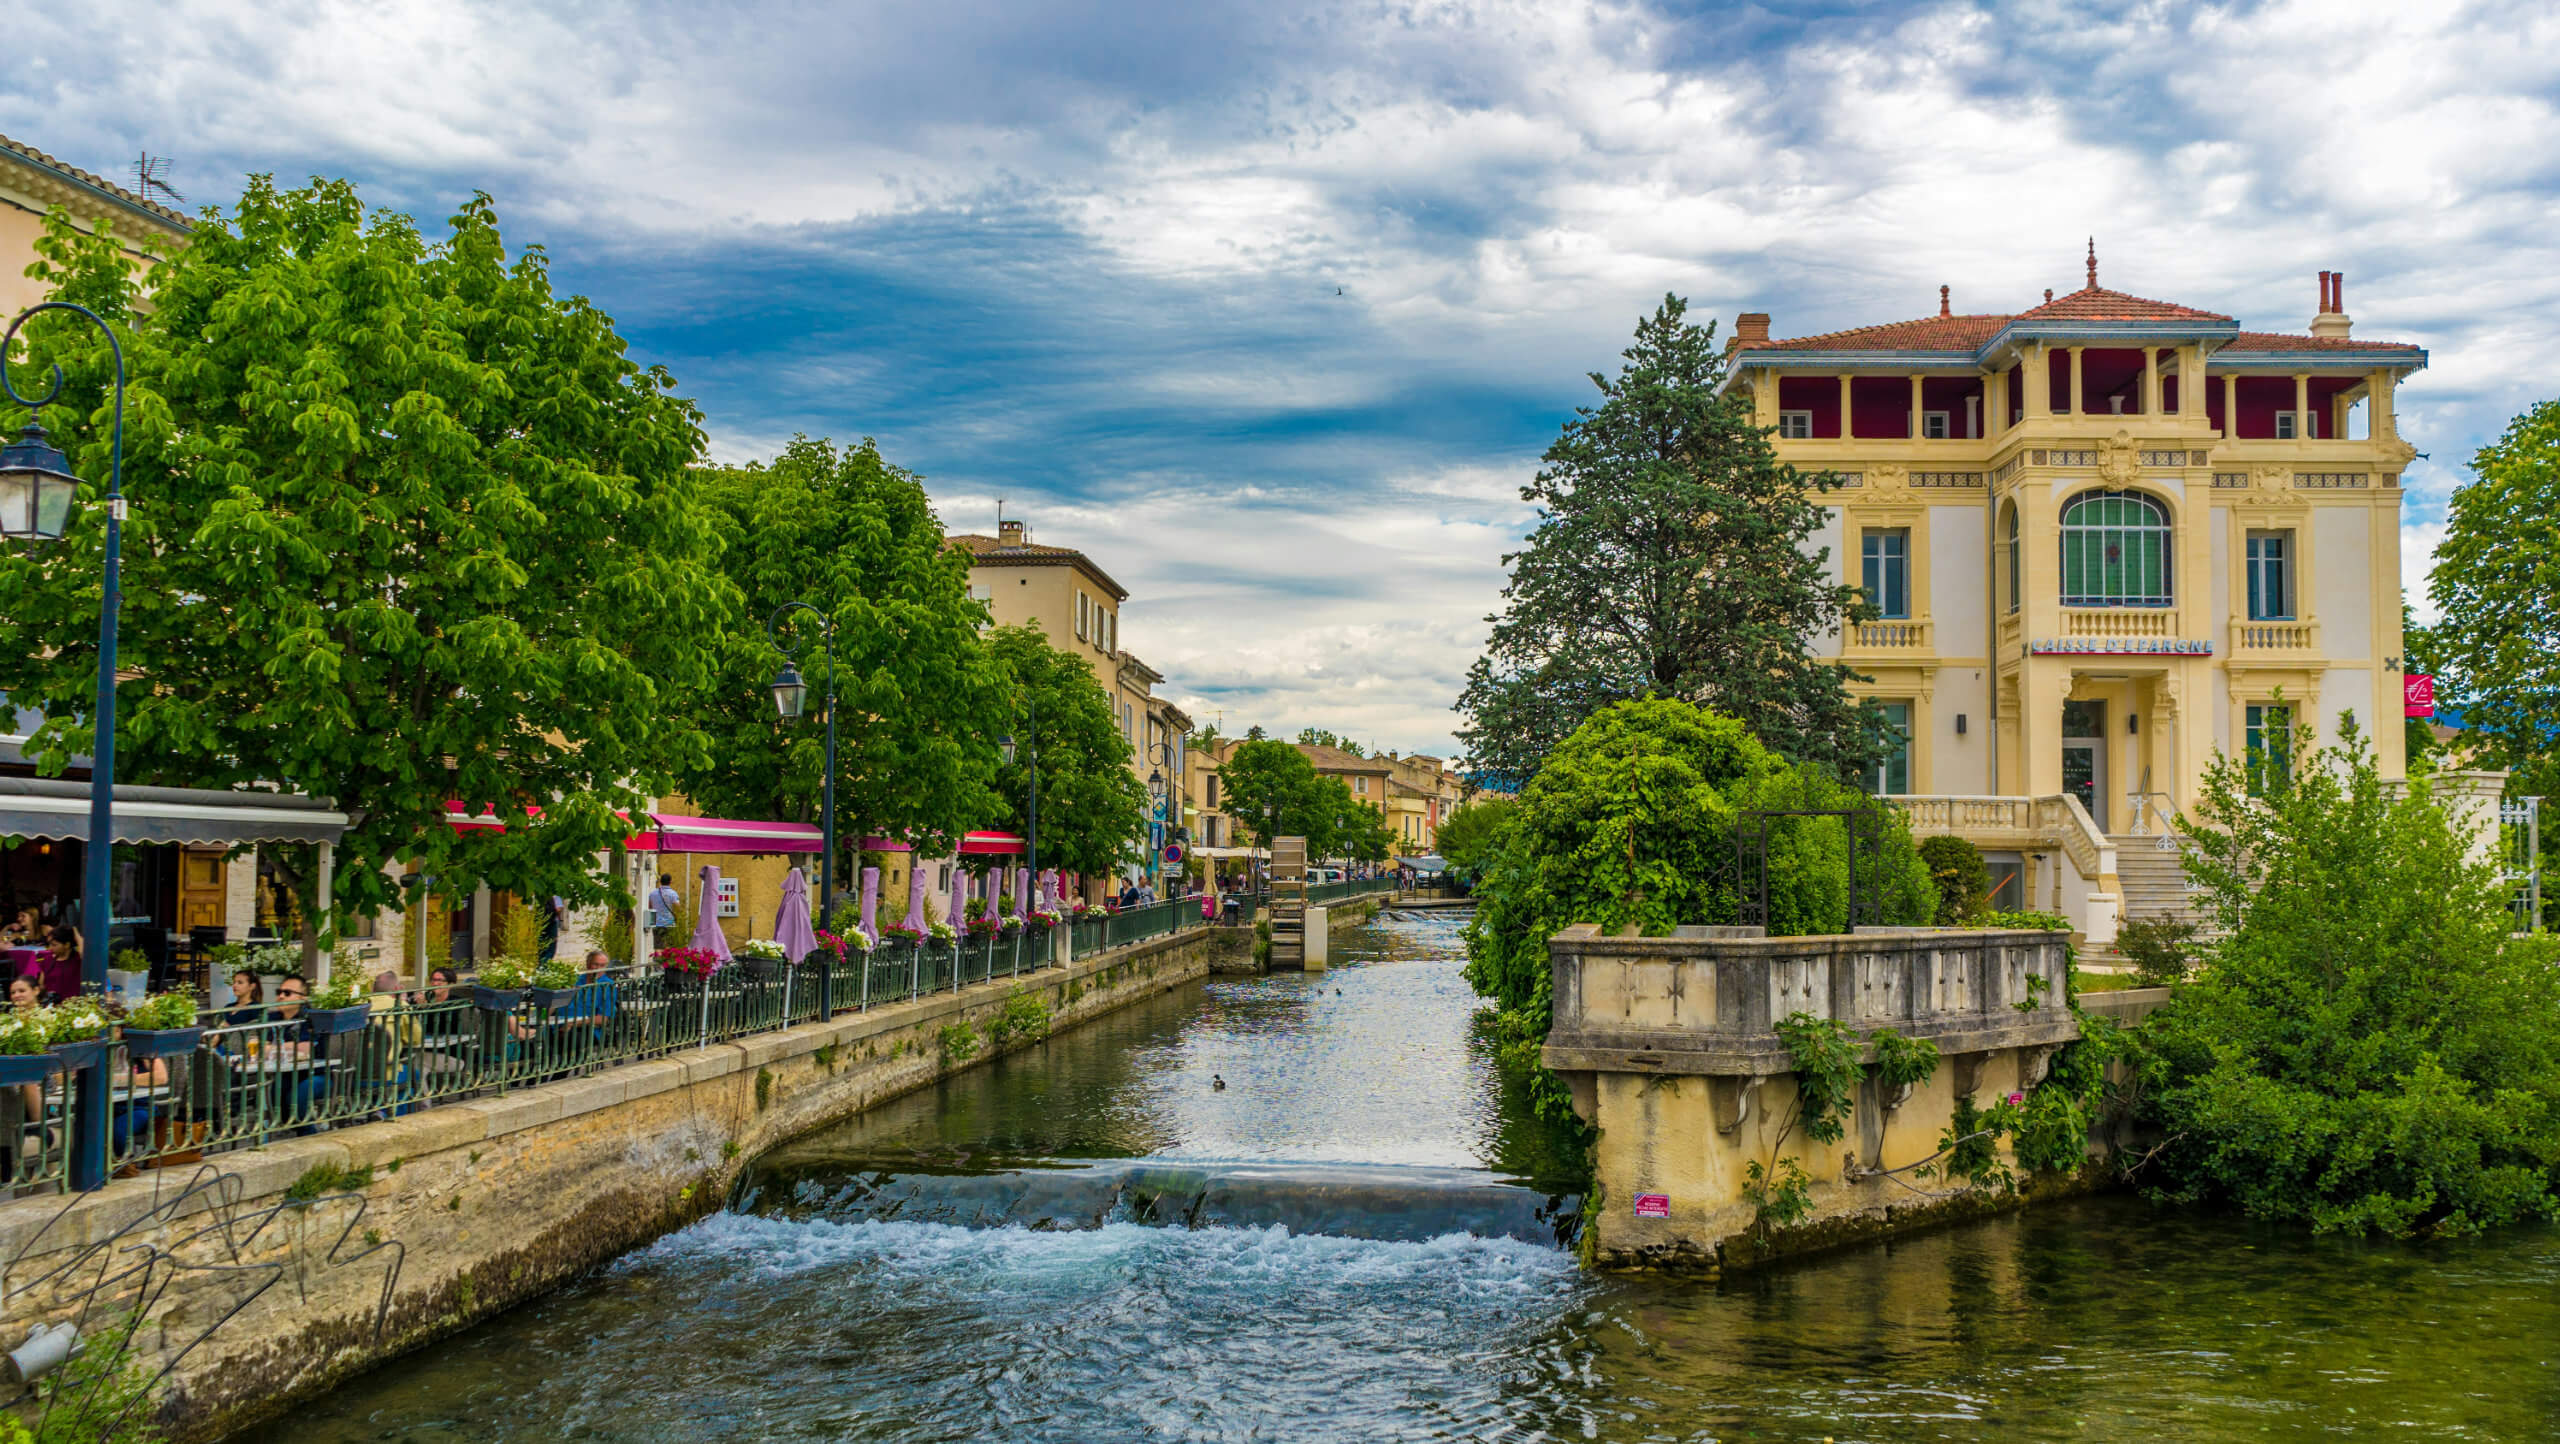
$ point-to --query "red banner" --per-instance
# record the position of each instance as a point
(2418, 694)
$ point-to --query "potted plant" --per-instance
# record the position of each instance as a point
(273, 964)
(554, 983)
(162, 1026)
(23, 1039)
(339, 1005)
(687, 965)
(899, 932)
(77, 1031)
(760, 956)
(1048, 917)
(943, 932)
(499, 985)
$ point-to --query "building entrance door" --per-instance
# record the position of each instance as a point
(2084, 757)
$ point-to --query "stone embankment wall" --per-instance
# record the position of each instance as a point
(1670, 1048)
(484, 1204)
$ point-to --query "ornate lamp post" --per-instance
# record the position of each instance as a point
(36, 491)
(790, 698)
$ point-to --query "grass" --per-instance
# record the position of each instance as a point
(2102, 982)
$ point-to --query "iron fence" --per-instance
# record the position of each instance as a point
(260, 1072)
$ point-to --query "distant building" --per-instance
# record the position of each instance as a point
(32, 183)
(2106, 537)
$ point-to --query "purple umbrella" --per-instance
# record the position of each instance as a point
(791, 921)
(915, 899)
(871, 903)
(706, 920)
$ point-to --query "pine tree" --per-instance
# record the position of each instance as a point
(1668, 561)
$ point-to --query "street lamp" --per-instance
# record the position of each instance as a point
(36, 489)
(790, 697)
(1031, 760)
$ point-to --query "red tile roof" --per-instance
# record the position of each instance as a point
(2097, 303)
(2272, 341)
(993, 552)
(1929, 333)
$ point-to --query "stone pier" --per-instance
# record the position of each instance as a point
(1670, 1048)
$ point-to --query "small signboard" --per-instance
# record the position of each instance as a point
(2119, 647)
(2418, 694)
(728, 898)
(1173, 852)
(1653, 1205)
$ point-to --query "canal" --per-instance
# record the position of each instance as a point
(1355, 1238)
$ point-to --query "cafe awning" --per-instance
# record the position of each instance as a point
(673, 832)
(51, 808)
(980, 843)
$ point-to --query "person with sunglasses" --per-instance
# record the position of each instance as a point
(296, 1056)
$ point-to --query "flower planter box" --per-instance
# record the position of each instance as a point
(141, 1043)
(495, 1000)
(27, 1067)
(329, 1022)
(75, 1056)
(550, 1000)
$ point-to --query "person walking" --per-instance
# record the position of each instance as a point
(663, 902)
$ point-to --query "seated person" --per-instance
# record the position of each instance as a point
(290, 1041)
(598, 997)
(131, 1119)
(23, 931)
(245, 1007)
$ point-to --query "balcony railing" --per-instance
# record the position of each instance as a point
(2119, 622)
(2057, 820)
(1896, 635)
(2273, 636)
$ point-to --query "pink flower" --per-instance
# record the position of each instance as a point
(2017, 1097)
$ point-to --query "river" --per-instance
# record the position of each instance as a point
(1354, 1239)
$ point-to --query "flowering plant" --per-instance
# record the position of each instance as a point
(691, 962)
(504, 973)
(1009, 922)
(764, 950)
(1048, 917)
(944, 933)
(159, 1011)
(25, 1030)
(982, 926)
(75, 1019)
(831, 945)
(1081, 909)
(901, 932)
(274, 960)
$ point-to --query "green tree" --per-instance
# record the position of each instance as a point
(1963, 882)
(1272, 790)
(1092, 808)
(919, 703)
(1358, 831)
(407, 527)
(1469, 837)
(2369, 1048)
(2496, 642)
(1668, 561)
(1319, 737)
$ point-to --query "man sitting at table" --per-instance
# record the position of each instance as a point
(597, 998)
(290, 1043)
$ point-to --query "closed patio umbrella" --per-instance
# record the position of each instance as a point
(791, 926)
(706, 918)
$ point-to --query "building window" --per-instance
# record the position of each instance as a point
(2270, 577)
(2285, 422)
(2017, 558)
(1084, 616)
(1887, 554)
(2269, 751)
(2115, 551)
(1795, 426)
(1360, 785)
(1892, 776)
(1933, 425)
(1213, 792)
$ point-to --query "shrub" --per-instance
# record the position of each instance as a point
(1964, 884)
(2371, 1049)
(505, 971)
(2159, 949)
(163, 1011)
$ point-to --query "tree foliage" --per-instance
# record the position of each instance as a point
(1319, 737)
(407, 527)
(1669, 560)
(919, 702)
(1092, 807)
(1272, 790)
(1470, 837)
(2369, 1047)
(2496, 642)
(1963, 882)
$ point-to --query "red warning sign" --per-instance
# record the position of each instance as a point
(1653, 1205)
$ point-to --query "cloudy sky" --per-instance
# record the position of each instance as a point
(1272, 306)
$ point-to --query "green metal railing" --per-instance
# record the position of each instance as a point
(257, 1074)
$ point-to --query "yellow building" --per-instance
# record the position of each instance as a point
(2109, 537)
(1077, 605)
(32, 183)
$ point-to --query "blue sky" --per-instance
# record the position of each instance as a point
(1271, 307)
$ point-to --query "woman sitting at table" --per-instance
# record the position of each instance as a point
(246, 1008)
(61, 964)
(25, 994)
(24, 930)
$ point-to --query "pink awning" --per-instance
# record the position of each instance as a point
(991, 842)
(884, 844)
(726, 834)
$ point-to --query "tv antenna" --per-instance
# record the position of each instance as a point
(151, 173)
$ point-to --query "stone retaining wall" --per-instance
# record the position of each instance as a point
(485, 1204)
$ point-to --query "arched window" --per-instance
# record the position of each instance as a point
(2115, 551)
(2009, 513)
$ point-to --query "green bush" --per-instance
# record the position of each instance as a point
(2160, 949)
(1964, 884)
(2369, 1049)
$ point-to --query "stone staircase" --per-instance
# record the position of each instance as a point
(2155, 885)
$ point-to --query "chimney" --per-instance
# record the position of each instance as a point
(1942, 301)
(1012, 534)
(1751, 326)
(2332, 321)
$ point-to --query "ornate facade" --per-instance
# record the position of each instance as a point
(2110, 537)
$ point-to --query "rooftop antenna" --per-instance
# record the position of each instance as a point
(151, 173)
(999, 516)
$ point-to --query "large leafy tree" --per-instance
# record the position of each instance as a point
(1092, 808)
(1669, 560)
(408, 527)
(1272, 790)
(1470, 837)
(2370, 1047)
(919, 704)
(2497, 636)
(1358, 832)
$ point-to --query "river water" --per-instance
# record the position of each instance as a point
(1355, 1239)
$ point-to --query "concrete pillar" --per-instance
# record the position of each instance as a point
(1912, 427)
(2079, 390)
(480, 905)
(1848, 429)
(2230, 407)
(2301, 406)
(1319, 938)
(324, 922)
(2150, 380)
(1995, 403)
(2381, 424)
(2035, 374)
